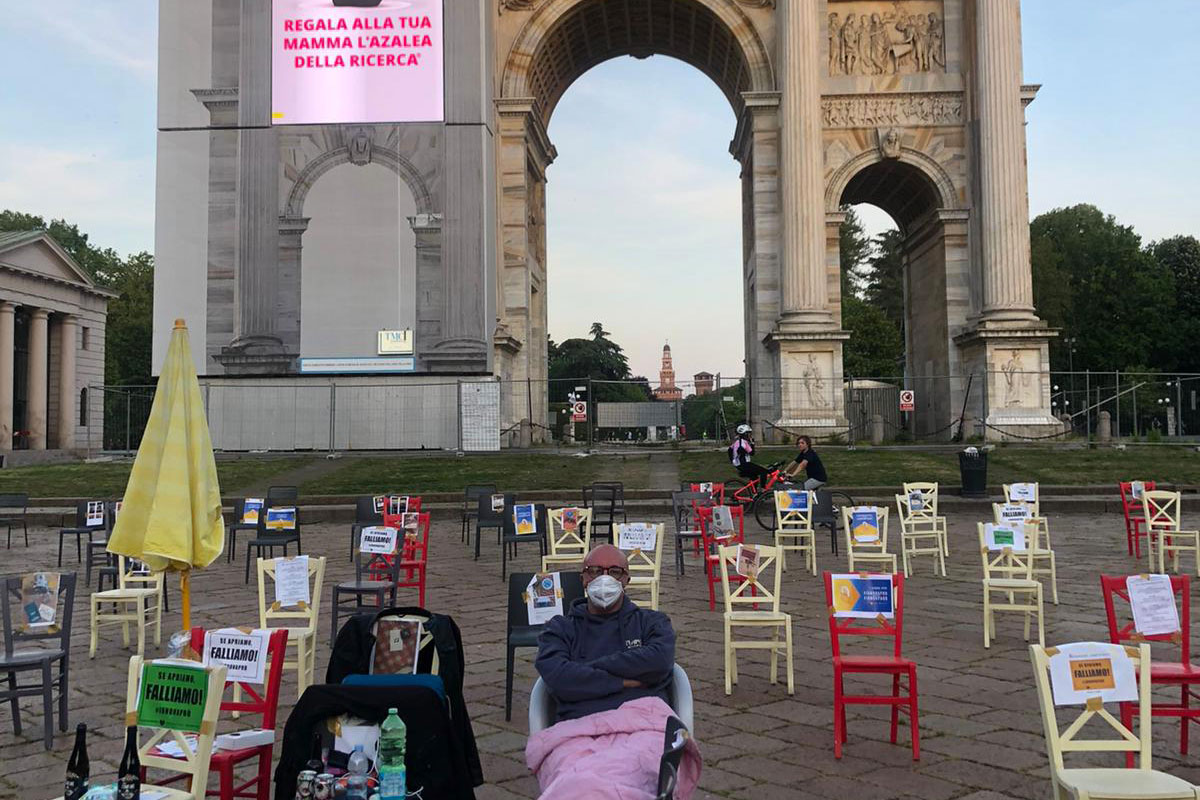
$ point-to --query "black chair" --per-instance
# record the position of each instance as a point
(81, 529)
(520, 632)
(239, 524)
(97, 551)
(51, 645)
(618, 490)
(13, 509)
(687, 527)
(268, 540)
(509, 538)
(365, 516)
(485, 517)
(674, 743)
(825, 516)
(470, 507)
(602, 500)
(364, 586)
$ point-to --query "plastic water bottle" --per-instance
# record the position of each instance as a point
(358, 763)
(392, 738)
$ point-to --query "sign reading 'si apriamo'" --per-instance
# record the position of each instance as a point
(357, 61)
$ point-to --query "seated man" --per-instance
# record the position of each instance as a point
(605, 650)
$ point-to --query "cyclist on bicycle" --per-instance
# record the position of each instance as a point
(808, 461)
(741, 452)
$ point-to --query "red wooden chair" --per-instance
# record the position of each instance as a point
(712, 560)
(1182, 673)
(414, 554)
(894, 665)
(262, 700)
(716, 497)
(1135, 517)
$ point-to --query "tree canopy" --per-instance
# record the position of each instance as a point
(598, 358)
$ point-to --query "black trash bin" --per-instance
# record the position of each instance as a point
(972, 466)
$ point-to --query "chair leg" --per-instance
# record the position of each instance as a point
(248, 546)
(790, 659)
(1184, 720)
(47, 706)
(60, 544)
(839, 715)
(508, 682)
(143, 613)
(895, 706)
(16, 709)
(94, 615)
(225, 771)
(64, 693)
(913, 714)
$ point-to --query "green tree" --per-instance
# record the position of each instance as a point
(129, 332)
(854, 248)
(875, 348)
(101, 265)
(600, 359)
(883, 281)
(1180, 255)
(701, 414)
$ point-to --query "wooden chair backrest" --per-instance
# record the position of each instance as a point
(17, 631)
(570, 543)
(1037, 495)
(928, 490)
(196, 756)
(642, 563)
(1163, 510)
(750, 591)
(414, 548)
(1129, 503)
(1006, 564)
(309, 614)
(792, 519)
(130, 576)
(708, 536)
(1064, 741)
(924, 517)
(880, 626)
(880, 546)
(1115, 586)
(716, 494)
(263, 700)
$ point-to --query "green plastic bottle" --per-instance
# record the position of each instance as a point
(392, 738)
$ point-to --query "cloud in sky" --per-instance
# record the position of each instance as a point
(120, 34)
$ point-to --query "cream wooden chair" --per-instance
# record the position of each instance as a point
(567, 547)
(1008, 570)
(1038, 529)
(755, 604)
(304, 635)
(919, 536)
(1164, 530)
(869, 551)
(1012, 489)
(645, 567)
(137, 601)
(794, 529)
(929, 510)
(1104, 782)
(197, 752)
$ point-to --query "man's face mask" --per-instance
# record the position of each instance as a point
(605, 591)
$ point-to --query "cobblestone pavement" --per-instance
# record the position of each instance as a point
(980, 729)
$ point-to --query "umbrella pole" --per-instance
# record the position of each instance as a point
(185, 589)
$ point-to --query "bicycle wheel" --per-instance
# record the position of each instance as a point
(764, 510)
(841, 500)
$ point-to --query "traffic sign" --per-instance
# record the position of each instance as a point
(579, 411)
(908, 400)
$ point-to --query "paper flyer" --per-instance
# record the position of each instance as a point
(1015, 512)
(1022, 493)
(291, 581)
(1136, 489)
(1000, 537)
(281, 519)
(792, 500)
(916, 500)
(543, 598)
(379, 501)
(172, 696)
(95, 513)
(570, 520)
(863, 598)
(722, 522)
(1152, 601)
(1082, 670)
(410, 521)
(251, 508)
(637, 536)
(243, 654)
(397, 504)
(864, 524)
(497, 502)
(705, 487)
(747, 561)
(378, 540)
(397, 643)
(525, 519)
(39, 600)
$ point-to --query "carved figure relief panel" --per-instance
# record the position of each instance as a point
(1020, 370)
(874, 38)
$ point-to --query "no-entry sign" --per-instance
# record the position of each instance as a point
(579, 411)
(908, 400)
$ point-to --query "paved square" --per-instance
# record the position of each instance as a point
(980, 730)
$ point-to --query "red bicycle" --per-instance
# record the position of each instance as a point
(758, 495)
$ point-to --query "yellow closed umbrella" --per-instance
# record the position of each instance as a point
(171, 515)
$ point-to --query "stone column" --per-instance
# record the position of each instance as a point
(66, 382)
(38, 386)
(1003, 203)
(805, 294)
(7, 378)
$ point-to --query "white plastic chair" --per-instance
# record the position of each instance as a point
(543, 707)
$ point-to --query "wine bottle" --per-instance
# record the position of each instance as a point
(78, 769)
(315, 762)
(129, 775)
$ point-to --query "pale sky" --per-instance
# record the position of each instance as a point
(645, 210)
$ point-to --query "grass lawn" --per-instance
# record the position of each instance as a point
(506, 472)
(109, 479)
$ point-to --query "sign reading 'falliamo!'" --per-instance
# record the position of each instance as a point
(172, 696)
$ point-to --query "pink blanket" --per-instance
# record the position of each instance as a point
(613, 755)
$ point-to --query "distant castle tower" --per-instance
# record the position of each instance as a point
(667, 390)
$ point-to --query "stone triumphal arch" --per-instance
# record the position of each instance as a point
(914, 106)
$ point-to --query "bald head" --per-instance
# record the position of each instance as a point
(605, 555)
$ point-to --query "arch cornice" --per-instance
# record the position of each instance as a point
(520, 61)
(323, 163)
(940, 179)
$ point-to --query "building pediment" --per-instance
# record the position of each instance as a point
(35, 253)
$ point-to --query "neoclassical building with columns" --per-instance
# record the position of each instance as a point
(52, 319)
(291, 246)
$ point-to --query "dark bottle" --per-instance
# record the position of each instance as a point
(315, 762)
(129, 775)
(78, 769)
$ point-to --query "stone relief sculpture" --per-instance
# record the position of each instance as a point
(853, 111)
(886, 43)
(360, 147)
(518, 5)
(1016, 380)
(890, 142)
(814, 383)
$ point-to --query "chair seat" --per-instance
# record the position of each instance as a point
(642, 580)
(757, 616)
(124, 594)
(1010, 583)
(524, 636)
(1174, 671)
(28, 657)
(873, 664)
(364, 586)
(1142, 784)
(278, 541)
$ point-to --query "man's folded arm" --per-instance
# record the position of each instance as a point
(649, 663)
(571, 680)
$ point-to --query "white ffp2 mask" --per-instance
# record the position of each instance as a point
(605, 591)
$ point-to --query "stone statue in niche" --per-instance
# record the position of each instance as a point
(814, 383)
(1016, 380)
(517, 5)
(360, 147)
(886, 43)
(890, 142)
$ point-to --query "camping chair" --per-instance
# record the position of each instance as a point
(197, 751)
(263, 701)
(794, 528)
(929, 510)
(238, 525)
(872, 548)
(683, 505)
(826, 516)
(1182, 674)
(1164, 523)
(674, 743)
(567, 547)
(711, 541)
(510, 538)
(50, 645)
(895, 665)
(85, 525)
(1038, 535)
(543, 707)
(602, 500)
(919, 536)
(1135, 518)
(304, 635)
(375, 575)
(1112, 783)
(520, 633)
(1008, 570)
(139, 595)
(743, 609)
(14, 509)
(645, 567)
(470, 506)
(487, 517)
